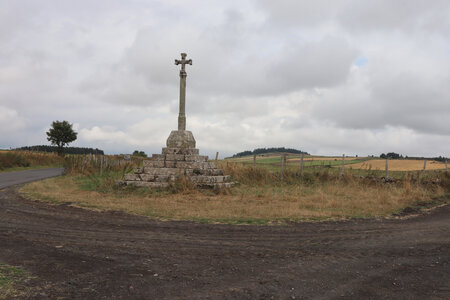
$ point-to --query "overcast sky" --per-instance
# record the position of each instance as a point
(326, 77)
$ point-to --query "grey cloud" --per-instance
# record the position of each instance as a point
(405, 15)
(416, 101)
(216, 72)
(317, 64)
(300, 12)
(361, 16)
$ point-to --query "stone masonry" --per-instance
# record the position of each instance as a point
(164, 168)
(180, 157)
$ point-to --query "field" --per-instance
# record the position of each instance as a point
(356, 164)
(273, 161)
(398, 165)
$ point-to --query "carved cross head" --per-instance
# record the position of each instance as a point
(183, 61)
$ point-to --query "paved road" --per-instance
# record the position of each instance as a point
(13, 178)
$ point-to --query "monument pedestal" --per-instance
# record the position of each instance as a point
(180, 157)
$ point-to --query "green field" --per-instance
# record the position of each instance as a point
(273, 161)
(332, 165)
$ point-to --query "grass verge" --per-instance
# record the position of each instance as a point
(15, 169)
(260, 198)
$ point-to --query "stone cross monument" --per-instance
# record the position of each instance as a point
(183, 75)
(182, 138)
(180, 157)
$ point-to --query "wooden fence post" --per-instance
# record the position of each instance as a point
(217, 155)
(254, 160)
(387, 168)
(424, 166)
(101, 165)
(301, 164)
(283, 158)
(343, 165)
(446, 166)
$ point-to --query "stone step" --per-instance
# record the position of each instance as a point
(210, 179)
(131, 177)
(212, 172)
(186, 151)
(194, 158)
(148, 184)
(207, 172)
(195, 165)
(156, 184)
(162, 171)
(219, 185)
(172, 160)
(165, 174)
(149, 177)
(158, 157)
(154, 164)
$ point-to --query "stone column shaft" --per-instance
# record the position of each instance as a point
(182, 113)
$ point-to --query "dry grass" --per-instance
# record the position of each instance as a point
(398, 165)
(26, 159)
(324, 158)
(296, 159)
(333, 199)
(96, 164)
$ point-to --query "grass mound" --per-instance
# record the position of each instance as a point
(261, 197)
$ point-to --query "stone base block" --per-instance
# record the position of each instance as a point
(181, 139)
(162, 169)
(185, 151)
(148, 184)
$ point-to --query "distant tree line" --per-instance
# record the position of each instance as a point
(393, 155)
(67, 150)
(269, 150)
(439, 158)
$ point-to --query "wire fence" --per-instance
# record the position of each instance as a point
(343, 165)
(98, 164)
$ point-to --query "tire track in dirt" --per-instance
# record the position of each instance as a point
(77, 253)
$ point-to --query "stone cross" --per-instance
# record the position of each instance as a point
(183, 75)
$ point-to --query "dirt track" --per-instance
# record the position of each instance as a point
(82, 254)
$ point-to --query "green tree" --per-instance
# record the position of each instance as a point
(61, 134)
(139, 153)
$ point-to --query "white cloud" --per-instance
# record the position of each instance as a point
(10, 120)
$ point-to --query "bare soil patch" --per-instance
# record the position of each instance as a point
(78, 254)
